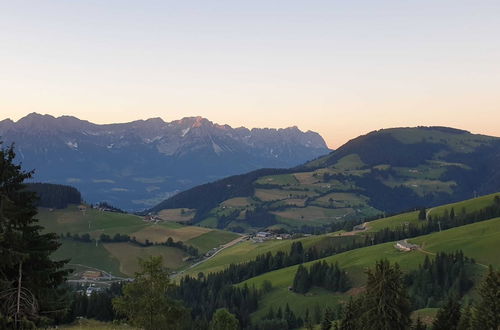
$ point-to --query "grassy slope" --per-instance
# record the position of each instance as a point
(479, 240)
(412, 217)
(75, 221)
(88, 254)
(121, 258)
(128, 255)
(211, 239)
(247, 250)
(85, 324)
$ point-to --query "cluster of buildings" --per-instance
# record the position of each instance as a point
(152, 218)
(262, 236)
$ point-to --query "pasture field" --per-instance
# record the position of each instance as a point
(268, 195)
(314, 214)
(88, 254)
(393, 222)
(159, 233)
(237, 202)
(399, 220)
(480, 240)
(93, 221)
(177, 215)
(282, 180)
(121, 258)
(210, 239)
(470, 205)
(339, 199)
(127, 254)
(247, 250)
(350, 162)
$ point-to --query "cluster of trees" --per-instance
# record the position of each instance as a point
(445, 275)
(321, 274)
(204, 295)
(121, 238)
(54, 196)
(281, 319)
(385, 304)
(484, 314)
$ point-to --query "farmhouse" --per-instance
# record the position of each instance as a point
(405, 246)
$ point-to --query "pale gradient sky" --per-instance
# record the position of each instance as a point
(341, 68)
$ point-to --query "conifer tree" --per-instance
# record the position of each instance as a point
(350, 315)
(487, 311)
(465, 319)
(29, 279)
(386, 305)
(301, 280)
(422, 214)
(448, 316)
(145, 302)
(326, 323)
(223, 320)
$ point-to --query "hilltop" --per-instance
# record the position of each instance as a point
(385, 171)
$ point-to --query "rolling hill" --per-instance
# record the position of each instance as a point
(386, 171)
(120, 258)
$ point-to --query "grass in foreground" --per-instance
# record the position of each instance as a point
(84, 324)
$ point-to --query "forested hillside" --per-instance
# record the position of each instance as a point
(383, 172)
(54, 195)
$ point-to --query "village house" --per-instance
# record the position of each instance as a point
(405, 246)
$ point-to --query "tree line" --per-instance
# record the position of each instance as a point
(54, 196)
(123, 238)
(445, 275)
(385, 304)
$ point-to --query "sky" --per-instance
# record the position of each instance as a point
(340, 68)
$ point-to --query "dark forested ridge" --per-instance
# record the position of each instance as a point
(54, 195)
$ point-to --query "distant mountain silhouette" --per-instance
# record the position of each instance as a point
(135, 165)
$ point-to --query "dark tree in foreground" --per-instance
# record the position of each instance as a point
(487, 311)
(385, 304)
(29, 280)
(145, 303)
(448, 316)
(223, 320)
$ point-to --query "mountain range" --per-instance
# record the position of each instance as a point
(135, 165)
